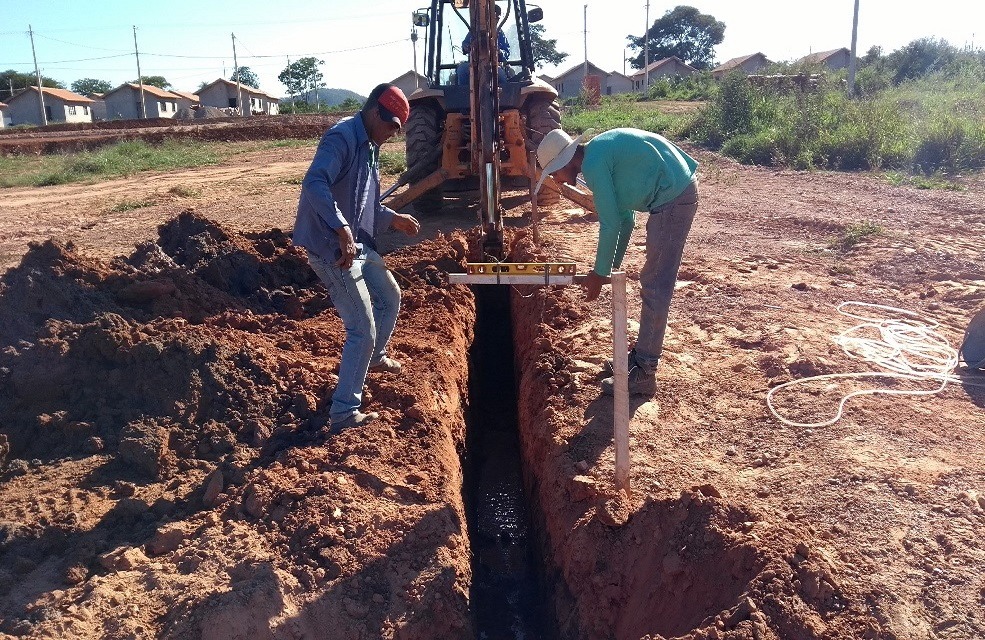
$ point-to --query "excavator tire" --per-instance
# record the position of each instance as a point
(423, 136)
(543, 115)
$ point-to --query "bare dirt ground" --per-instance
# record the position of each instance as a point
(167, 472)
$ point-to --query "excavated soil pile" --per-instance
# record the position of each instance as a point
(166, 466)
(44, 141)
(689, 566)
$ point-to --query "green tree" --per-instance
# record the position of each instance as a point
(247, 77)
(86, 86)
(155, 81)
(684, 32)
(544, 50)
(23, 80)
(301, 75)
(920, 57)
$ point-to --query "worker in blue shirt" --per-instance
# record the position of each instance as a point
(502, 42)
(339, 216)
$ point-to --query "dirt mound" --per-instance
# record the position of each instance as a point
(696, 565)
(172, 404)
(215, 129)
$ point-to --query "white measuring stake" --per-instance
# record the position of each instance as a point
(620, 371)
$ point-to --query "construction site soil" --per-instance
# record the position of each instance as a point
(85, 136)
(167, 471)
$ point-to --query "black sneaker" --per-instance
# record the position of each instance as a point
(356, 419)
(641, 383)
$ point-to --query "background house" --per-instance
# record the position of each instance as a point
(3, 116)
(668, 67)
(752, 63)
(832, 60)
(123, 102)
(186, 100)
(410, 81)
(569, 83)
(222, 93)
(60, 105)
(98, 106)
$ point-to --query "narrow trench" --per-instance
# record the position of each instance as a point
(507, 594)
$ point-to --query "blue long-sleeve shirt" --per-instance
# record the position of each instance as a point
(341, 188)
(503, 43)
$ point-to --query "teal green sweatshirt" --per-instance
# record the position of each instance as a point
(630, 170)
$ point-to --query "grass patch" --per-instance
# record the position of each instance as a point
(289, 143)
(619, 111)
(121, 159)
(182, 191)
(392, 163)
(130, 205)
(855, 234)
(935, 181)
(298, 179)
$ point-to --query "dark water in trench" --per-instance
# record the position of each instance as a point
(507, 595)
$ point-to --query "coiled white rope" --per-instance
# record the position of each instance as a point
(907, 348)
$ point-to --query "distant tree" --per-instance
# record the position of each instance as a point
(86, 86)
(684, 32)
(155, 81)
(871, 56)
(302, 75)
(920, 57)
(247, 77)
(22, 80)
(544, 50)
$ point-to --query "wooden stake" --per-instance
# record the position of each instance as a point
(620, 371)
(532, 162)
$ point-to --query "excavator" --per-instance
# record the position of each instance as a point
(482, 112)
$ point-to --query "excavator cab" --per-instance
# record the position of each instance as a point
(442, 130)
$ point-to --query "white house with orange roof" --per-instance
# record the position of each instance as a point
(60, 105)
(667, 67)
(186, 100)
(222, 93)
(123, 102)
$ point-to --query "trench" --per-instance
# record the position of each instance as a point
(508, 596)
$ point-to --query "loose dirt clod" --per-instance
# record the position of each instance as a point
(203, 364)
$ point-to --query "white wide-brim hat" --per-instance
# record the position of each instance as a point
(555, 151)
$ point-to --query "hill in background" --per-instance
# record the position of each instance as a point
(329, 97)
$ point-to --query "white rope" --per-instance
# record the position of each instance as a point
(906, 349)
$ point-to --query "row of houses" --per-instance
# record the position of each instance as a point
(569, 84)
(124, 102)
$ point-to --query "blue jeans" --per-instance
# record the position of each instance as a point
(367, 298)
(666, 233)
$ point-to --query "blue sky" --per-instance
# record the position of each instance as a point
(364, 42)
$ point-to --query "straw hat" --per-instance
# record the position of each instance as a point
(555, 151)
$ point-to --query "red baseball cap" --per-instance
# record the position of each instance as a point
(393, 106)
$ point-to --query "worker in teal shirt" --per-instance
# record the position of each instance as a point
(630, 170)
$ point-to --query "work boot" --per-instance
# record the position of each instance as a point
(386, 364)
(356, 419)
(607, 368)
(641, 383)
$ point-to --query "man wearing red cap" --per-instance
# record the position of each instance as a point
(339, 215)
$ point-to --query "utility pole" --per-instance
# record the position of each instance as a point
(853, 60)
(37, 72)
(586, 42)
(239, 86)
(646, 51)
(140, 76)
(413, 40)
